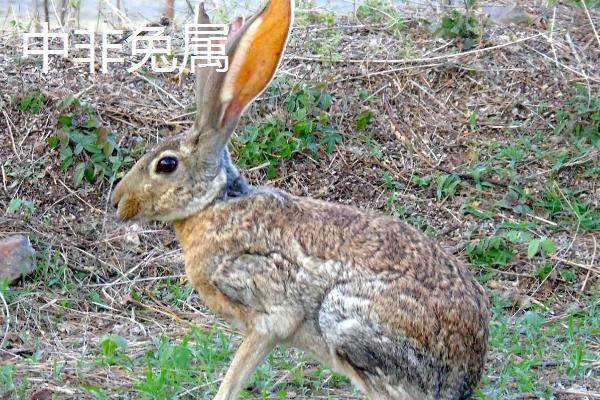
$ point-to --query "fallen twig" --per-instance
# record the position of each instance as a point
(591, 21)
(574, 264)
(7, 325)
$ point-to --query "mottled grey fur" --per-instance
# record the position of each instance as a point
(237, 185)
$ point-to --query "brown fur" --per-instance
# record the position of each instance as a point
(365, 293)
(432, 298)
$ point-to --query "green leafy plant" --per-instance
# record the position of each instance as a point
(491, 251)
(544, 270)
(307, 15)
(19, 26)
(533, 339)
(446, 185)
(462, 26)
(363, 119)
(516, 201)
(83, 142)
(110, 347)
(363, 94)
(95, 299)
(97, 392)
(372, 143)
(381, 11)
(567, 206)
(473, 119)
(580, 118)
(307, 129)
(32, 102)
(7, 372)
(542, 244)
(327, 45)
(17, 204)
(171, 367)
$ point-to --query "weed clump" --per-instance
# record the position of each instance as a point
(81, 140)
(463, 27)
(305, 128)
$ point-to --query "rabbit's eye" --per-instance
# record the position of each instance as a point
(166, 165)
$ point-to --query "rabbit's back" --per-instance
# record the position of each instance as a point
(367, 293)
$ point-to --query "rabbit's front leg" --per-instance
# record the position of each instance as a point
(249, 356)
(262, 284)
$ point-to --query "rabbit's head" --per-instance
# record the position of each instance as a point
(183, 175)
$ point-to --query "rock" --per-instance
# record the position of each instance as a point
(506, 15)
(43, 394)
(17, 257)
(132, 237)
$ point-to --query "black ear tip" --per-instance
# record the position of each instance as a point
(202, 17)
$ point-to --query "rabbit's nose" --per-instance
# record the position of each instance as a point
(115, 198)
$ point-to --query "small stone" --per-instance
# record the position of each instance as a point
(17, 258)
(132, 237)
(573, 308)
(43, 394)
(506, 15)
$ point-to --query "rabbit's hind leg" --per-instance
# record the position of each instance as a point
(373, 387)
(383, 364)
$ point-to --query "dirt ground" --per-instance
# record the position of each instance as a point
(487, 117)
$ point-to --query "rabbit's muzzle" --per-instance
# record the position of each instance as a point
(128, 205)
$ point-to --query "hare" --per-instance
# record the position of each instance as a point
(367, 294)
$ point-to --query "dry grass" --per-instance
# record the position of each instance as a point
(436, 112)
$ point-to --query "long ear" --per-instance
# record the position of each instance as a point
(254, 52)
(201, 17)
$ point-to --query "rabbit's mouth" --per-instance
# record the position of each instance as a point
(128, 208)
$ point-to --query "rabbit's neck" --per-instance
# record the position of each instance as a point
(237, 185)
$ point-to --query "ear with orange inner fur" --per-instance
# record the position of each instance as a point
(254, 58)
(235, 26)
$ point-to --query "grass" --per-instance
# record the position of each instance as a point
(537, 343)
(381, 12)
(509, 185)
(187, 367)
(526, 348)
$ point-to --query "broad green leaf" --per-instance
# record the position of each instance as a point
(69, 100)
(78, 149)
(331, 140)
(66, 120)
(533, 248)
(363, 119)
(14, 205)
(78, 174)
(89, 172)
(53, 141)
(549, 246)
(325, 101)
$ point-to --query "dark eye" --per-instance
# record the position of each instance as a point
(166, 165)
